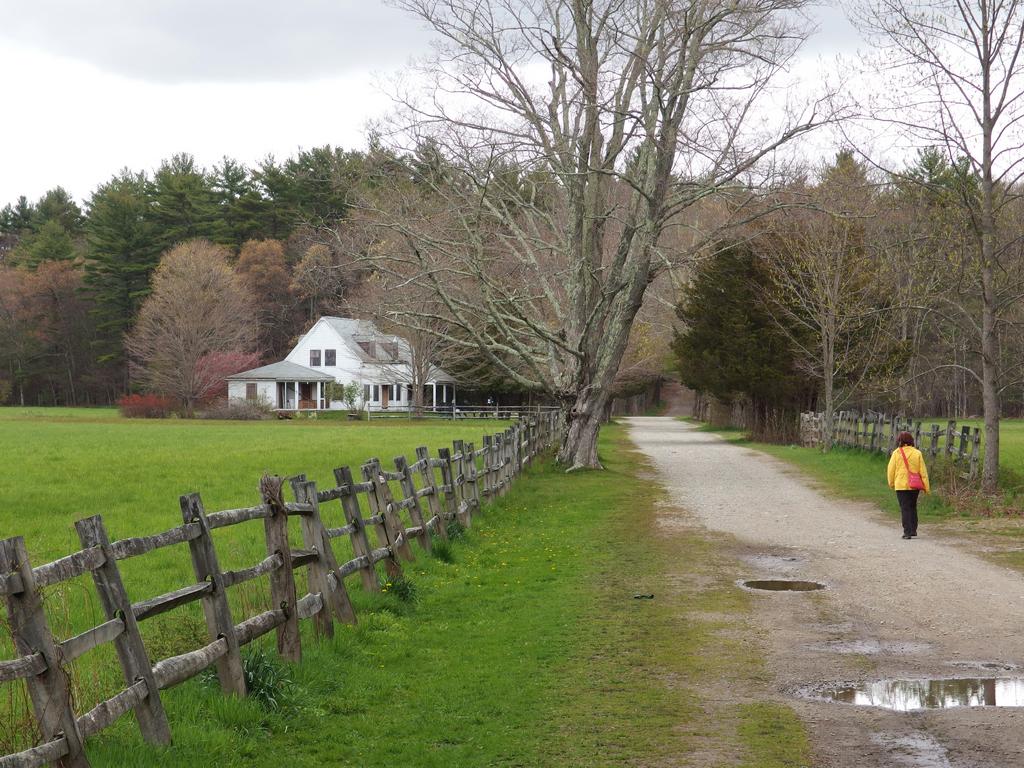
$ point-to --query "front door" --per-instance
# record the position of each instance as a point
(385, 394)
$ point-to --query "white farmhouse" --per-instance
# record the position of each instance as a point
(343, 350)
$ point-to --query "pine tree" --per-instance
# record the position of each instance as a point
(184, 203)
(124, 249)
(241, 206)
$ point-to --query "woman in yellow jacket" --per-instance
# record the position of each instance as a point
(905, 462)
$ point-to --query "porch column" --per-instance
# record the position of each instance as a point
(319, 394)
(433, 396)
(297, 396)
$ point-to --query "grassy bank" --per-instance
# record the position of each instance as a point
(527, 649)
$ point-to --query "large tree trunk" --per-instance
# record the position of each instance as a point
(583, 423)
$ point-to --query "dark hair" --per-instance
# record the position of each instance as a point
(905, 438)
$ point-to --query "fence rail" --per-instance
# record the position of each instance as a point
(878, 432)
(457, 412)
(410, 504)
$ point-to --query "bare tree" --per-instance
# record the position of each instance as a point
(957, 84)
(197, 308)
(557, 143)
(832, 290)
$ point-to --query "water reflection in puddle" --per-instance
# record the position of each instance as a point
(909, 695)
(783, 585)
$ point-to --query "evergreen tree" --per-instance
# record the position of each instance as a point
(17, 219)
(50, 242)
(184, 204)
(281, 214)
(241, 206)
(124, 249)
(731, 347)
(57, 205)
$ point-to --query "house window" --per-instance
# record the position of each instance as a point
(376, 393)
(330, 357)
(250, 391)
(366, 346)
(366, 392)
(314, 358)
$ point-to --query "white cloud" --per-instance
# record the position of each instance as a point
(179, 41)
(72, 124)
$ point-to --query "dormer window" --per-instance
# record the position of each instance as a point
(366, 346)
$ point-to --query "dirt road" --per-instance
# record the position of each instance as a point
(892, 608)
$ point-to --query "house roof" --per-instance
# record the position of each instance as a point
(352, 331)
(282, 371)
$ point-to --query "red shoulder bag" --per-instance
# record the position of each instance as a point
(914, 479)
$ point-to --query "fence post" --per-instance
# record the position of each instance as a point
(50, 690)
(323, 572)
(917, 433)
(282, 579)
(933, 441)
(131, 652)
(215, 605)
(383, 506)
(429, 478)
(504, 463)
(951, 437)
(460, 480)
(975, 452)
(472, 477)
(451, 498)
(965, 435)
(411, 501)
(360, 541)
(497, 465)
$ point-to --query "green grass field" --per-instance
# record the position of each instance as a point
(527, 649)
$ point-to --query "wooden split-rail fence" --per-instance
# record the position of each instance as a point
(878, 433)
(427, 495)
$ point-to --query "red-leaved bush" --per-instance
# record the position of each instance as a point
(213, 368)
(146, 406)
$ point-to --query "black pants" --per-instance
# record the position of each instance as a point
(908, 511)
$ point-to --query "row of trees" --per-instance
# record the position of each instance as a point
(866, 295)
(73, 280)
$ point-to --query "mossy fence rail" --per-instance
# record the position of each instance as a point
(408, 504)
(878, 433)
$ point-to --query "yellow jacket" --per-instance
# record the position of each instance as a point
(897, 473)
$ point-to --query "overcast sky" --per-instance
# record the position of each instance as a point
(92, 87)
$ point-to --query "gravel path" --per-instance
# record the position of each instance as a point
(892, 609)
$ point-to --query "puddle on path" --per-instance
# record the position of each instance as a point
(869, 647)
(913, 750)
(783, 585)
(910, 695)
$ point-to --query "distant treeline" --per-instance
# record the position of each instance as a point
(72, 279)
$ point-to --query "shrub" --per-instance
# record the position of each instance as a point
(401, 588)
(456, 530)
(238, 409)
(442, 550)
(146, 406)
(267, 679)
